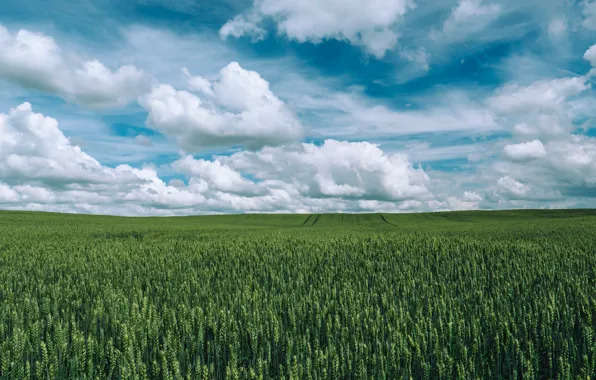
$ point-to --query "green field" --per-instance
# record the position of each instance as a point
(471, 295)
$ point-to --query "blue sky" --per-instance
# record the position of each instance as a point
(156, 107)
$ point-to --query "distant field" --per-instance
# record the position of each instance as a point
(479, 294)
(422, 220)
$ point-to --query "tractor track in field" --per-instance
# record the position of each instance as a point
(317, 217)
(386, 221)
(306, 220)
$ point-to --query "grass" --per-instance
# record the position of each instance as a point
(425, 221)
(474, 294)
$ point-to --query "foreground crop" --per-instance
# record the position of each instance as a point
(90, 298)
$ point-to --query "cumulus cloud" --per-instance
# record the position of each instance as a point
(590, 55)
(40, 169)
(39, 166)
(198, 84)
(534, 172)
(526, 151)
(337, 168)
(216, 175)
(35, 60)
(370, 24)
(237, 108)
(546, 158)
(557, 161)
(513, 188)
(8, 194)
(34, 148)
(470, 200)
(574, 160)
(471, 196)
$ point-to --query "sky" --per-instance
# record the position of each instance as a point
(162, 107)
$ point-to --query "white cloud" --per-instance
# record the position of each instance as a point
(243, 25)
(574, 160)
(471, 196)
(35, 60)
(513, 188)
(370, 24)
(469, 201)
(198, 83)
(525, 183)
(238, 109)
(336, 168)
(337, 175)
(39, 166)
(7, 194)
(558, 163)
(526, 151)
(590, 55)
(468, 17)
(34, 148)
(553, 162)
(41, 170)
(540, 109)
(327, 107)
(216, 175)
